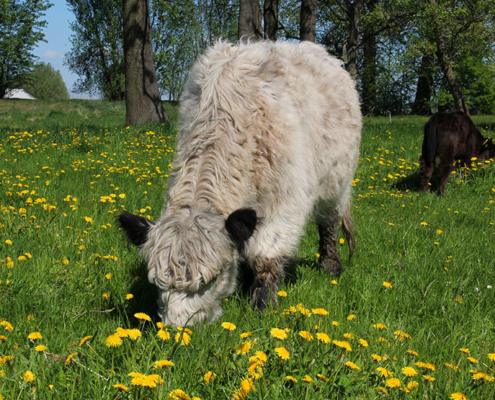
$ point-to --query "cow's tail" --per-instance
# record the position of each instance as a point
(348, 229)
(429, 142)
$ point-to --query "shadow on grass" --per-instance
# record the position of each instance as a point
(412, 182)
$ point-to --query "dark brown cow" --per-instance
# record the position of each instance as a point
(451, 137)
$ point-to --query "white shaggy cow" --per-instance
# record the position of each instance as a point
(269, 133)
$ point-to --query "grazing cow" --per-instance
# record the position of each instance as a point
(451, 137)
(269, 132)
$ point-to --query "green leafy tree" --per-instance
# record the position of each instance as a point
(181, 30)
(21, 27)
(46, 83)
(97, 53)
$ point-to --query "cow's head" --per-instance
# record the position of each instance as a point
(487, 150)
(192, 259)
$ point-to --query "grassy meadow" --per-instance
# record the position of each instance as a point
(412, 316)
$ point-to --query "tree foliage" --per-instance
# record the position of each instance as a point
(21, 24)
(97, 53)
(46, 83)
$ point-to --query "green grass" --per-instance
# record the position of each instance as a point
(66, 270)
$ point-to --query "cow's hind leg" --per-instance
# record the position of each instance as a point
(426, 173)
(329, 255)
(444, 171)
(269, 272)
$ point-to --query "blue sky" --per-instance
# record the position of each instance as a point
(57, 34)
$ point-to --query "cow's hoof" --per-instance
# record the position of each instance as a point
(262, 298)
(331, 266)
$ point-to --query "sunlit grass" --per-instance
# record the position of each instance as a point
(411, 317)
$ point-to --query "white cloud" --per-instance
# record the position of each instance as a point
(51, 55)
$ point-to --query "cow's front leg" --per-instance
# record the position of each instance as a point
(269, 273)
(329, 255)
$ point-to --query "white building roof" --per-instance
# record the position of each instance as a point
(18, 94)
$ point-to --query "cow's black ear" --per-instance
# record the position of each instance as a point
(135, 227)
(240, 225)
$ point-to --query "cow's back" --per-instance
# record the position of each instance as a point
(286, 113)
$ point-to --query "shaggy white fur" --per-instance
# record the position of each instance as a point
(270, 126)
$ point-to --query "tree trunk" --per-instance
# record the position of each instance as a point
(270, 17)
(143, 101)
(421, 104)
(308, 20)
(354, 10)
(369, 74)
(446, 65)
(249, 21)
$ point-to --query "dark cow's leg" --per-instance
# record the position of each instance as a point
(269, 273)
(426, 173)
(444, 171)
(329, 256)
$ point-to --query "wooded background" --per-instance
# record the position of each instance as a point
(407, 56)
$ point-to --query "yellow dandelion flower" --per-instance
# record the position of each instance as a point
(379, 326)
(384, 372)
(439, 231)
(412, 352)
(151, 380)
(351, 365)
(283, 353)
(458, 396)
(121, 387)
(307, 379)
(8, 241)
(84, 340)
(3, 338)
(333, 282)
(335, 323)
(473, 360)
(121, 332)
(183, 337)
(88, 219)
(382, 389)
(409, 371)
(306, 335)
(387, 285)
(129, 296)
(244, 348)
(245, 335)
(108, 276)
(28, 376)
(429, 378)
(464, 350)
(228, 326)
(247, 385)
(424, 223)
(113, 341)
(209, 376)
(35, 336)
(40, 348)
(363, 343)
(351, 317)
(392, 383)
(163, 363)
(106, 295)
(133, 334)
(278, 333)
(430, 366)
(376, 357)
(163, 334)
(319, 311)
(261, 356)
(323, 337)
(282, 293)
(161, 325)
(143, 316)
(323, 377)
(291, 378)
(343, 344)
(7, 325)
(187, 330)
(491, 356)
(420, 364)
(481, 375)
(411, 385)
(69, 358)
